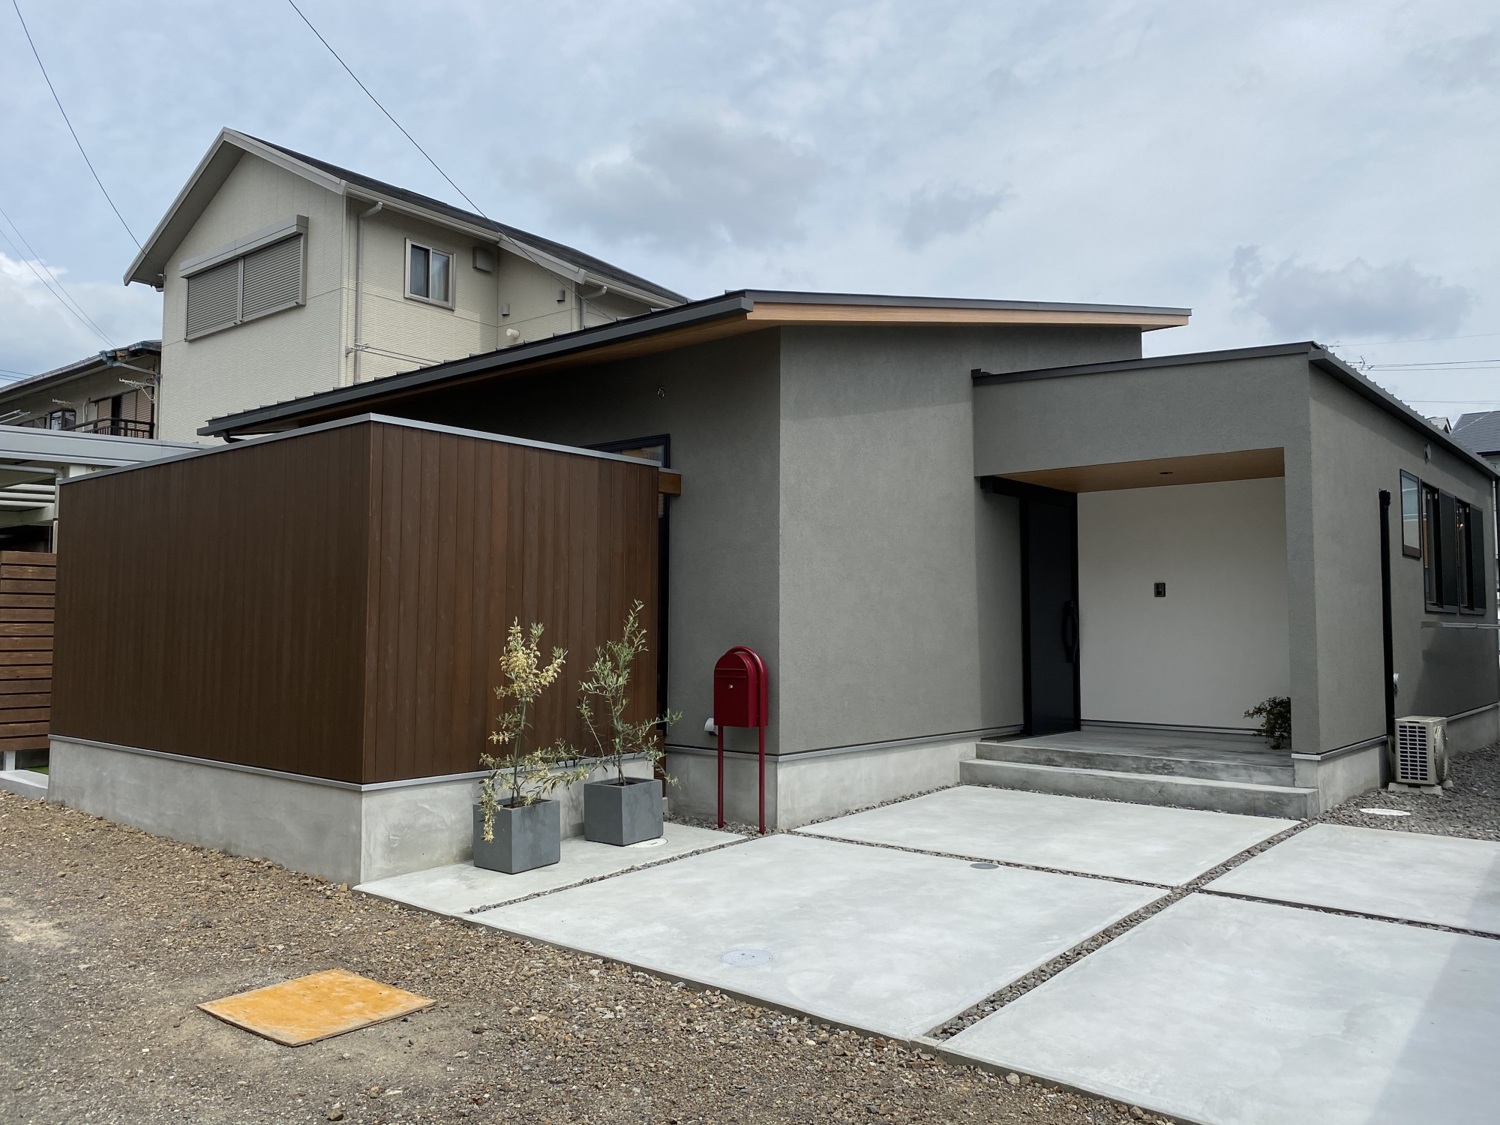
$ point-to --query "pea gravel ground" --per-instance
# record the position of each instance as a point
(109, 937)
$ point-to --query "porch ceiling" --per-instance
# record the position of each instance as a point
(1242, 464)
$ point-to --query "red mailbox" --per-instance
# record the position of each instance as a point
(742, 694)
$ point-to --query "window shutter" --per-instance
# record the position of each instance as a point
(1479, 552)
(273, 279)
(213, 299)
(1448, 508)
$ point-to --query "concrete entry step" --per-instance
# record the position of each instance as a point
(1245, 797)
(1209, 763)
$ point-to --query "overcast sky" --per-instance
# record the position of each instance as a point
(1289, 169)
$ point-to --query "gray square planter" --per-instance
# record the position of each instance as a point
(525, 837)
(622, 814)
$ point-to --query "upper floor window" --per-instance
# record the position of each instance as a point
(253, 278)
(429, 274)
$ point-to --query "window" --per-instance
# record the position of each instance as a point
(62, 419)
(1411, 516)
(1454, 550)
(429, 274)
(266, 280)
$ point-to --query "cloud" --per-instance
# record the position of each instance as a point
(1358, 299)
(1465, 63)
(929, 213)
(37, 332)
(686, 185)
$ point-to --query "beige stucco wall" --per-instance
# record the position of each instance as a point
(307, 349)
(278, 357)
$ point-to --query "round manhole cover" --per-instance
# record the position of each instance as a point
(656, 843)
(743, 958)
(984, 866)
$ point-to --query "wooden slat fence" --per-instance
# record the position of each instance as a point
(28, 583)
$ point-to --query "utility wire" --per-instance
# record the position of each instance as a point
(17, 6)
(380, 107)
(78, 313)
(71, 300)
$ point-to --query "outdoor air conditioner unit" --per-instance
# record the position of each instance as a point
(1421, 753)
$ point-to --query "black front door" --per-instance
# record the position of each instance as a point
(1049, 589)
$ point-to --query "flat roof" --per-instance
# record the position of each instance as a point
(1315, 353)
(735, 313)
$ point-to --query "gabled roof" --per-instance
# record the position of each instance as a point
(58, 375)
(230, 145)
(733, 314)
(1479, 432)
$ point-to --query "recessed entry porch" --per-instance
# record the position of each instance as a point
(1155, 614)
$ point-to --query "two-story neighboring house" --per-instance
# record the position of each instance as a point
(283, 275)
(109, 393)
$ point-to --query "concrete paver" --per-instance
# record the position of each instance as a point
(1440, 879)
(1147, 843)
(1245, 1013)
(890, 942)
(460, 887)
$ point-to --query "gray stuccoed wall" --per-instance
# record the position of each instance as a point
(900, 579)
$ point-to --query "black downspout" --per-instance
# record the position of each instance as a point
(1385, 620)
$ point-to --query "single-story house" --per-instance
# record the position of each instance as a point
(955, 529)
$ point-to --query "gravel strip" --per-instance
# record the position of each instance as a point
(1470, 809)
(109, 937)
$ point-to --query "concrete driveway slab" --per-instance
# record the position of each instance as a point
(1439, 879)
(460, 887)
(890, 942)
(1142, 842)
(1245, 1013)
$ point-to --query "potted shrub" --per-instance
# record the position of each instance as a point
(515, 827)
(1275, 715)
(621, 810)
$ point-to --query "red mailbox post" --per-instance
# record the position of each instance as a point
(742, 695)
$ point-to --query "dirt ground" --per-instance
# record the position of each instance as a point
(109, 938)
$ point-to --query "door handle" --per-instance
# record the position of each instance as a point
(1070, 631)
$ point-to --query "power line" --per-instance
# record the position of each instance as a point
(78, 313)
(17, 6)
(37, 258)
(380, 107)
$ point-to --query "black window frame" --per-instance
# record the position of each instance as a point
(1413, 521)
(1454, 567)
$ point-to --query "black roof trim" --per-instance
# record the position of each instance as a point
(1315, 353)
(697, 312)
(595, 266)
(694, 312)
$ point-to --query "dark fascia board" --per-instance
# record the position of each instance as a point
(284, 413)
(139, 350)
(733, 303)
(1315, 354)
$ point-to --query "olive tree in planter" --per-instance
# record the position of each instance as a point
(621, 810)
(515, 827)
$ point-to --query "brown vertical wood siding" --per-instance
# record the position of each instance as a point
(27, 581)
(334, 603)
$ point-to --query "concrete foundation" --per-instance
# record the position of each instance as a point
(344, 832)
(1474, 730)
(802, 788)
(1341, 774)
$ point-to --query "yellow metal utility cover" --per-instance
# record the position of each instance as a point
(315, 1007)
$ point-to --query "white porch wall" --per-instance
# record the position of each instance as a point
(1217, 644)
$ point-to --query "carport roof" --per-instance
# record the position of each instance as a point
(735, 313)
(1315, 353)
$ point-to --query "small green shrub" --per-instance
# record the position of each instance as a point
(605, 700)
(1275, 715)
